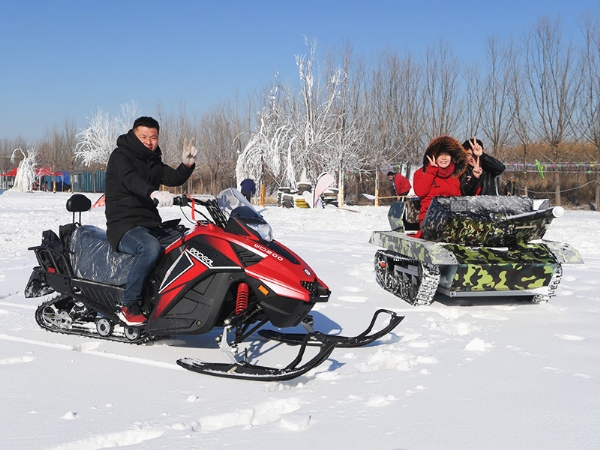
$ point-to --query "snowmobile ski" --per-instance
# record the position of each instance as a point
(247, 371)
(359, 340)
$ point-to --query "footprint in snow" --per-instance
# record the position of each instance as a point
(570, 337)
(295, 422)
(352, 299)
(478, 345)
(17, 360)
(119, 439)
(260, 414)
(351, 289)
(380, 400)
(585, 376)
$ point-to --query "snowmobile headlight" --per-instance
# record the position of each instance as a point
(263, 229)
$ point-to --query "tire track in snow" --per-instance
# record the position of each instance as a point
(87, 349)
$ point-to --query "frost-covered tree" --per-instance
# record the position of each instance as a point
(273, 145)
(26, 170)
(348, 120)
(304, 135)
(97, 141)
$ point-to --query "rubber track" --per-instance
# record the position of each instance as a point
(428, 280)
(78, 329)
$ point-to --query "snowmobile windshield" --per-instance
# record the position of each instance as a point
(234, 205)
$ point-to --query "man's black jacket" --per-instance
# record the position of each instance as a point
(487, 180)
(133, 172)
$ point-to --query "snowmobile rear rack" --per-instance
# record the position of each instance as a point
(314, 338)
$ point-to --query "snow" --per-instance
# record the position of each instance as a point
(491, 374)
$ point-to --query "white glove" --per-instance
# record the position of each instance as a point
(164, 198)
(189, 152)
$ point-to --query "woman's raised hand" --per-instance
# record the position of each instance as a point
(431, 161)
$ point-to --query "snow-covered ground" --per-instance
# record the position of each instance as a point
(483, 375)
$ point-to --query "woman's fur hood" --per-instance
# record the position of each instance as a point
(450, 145)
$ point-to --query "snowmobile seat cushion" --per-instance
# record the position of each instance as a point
(93, 258)
(78, 203)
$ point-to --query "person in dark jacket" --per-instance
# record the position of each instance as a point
(134, 174)
(510, 187)
(401, 184)
(482, 171)
(248, 188)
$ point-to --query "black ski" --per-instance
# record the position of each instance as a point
(247, 371)
(341, 341)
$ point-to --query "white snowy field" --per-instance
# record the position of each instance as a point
(485, 374)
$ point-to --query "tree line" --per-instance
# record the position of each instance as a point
(536, 97)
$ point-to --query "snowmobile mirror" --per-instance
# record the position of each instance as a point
(181, 229)
(78, 203)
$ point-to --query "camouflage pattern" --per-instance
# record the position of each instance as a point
(563, 252)
(485, 269)
(483, 244)
(501, 277)
(426, 252)
(483, 220)
(395, 216)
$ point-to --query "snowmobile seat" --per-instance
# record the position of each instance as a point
(92, 257)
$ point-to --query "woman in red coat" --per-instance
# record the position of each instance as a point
(443, 164)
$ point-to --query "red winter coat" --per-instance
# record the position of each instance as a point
(401, 184)
(428, 184)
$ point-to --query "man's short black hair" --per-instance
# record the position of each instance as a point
(147, 122)
(390, 174)
(467, 144)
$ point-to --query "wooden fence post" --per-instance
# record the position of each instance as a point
(557, 187)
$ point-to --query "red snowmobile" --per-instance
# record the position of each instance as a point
(226, 271)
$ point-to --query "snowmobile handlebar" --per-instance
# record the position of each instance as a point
(211, 205)
(549, 213)
(183, 200)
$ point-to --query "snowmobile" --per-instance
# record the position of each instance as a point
(482, 246)
(226, 271)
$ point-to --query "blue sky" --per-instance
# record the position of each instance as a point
(67, 59)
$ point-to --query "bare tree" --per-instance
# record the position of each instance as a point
(554, 84)
(397, 104)
(443, 104)
(475, 101)
(555, 88)
(521, 106)
(497, 111)
(217, 143)
(56, 148)
(589, 111)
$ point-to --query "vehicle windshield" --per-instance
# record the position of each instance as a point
(233, 203)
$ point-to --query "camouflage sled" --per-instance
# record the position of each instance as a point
(471, 246)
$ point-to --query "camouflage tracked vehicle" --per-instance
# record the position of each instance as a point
(471, 246)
